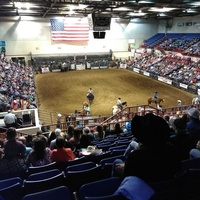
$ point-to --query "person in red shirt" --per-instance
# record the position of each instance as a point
(61, 153)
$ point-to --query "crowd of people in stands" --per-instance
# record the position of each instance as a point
(167, 140)
(17, 86)
(173, 67)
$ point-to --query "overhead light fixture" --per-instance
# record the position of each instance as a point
(136, 14)
(24, 5)
(145, 2)
(190, 11)
(121, 9)
(164, 9)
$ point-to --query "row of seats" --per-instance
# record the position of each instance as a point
(46, 184)
(43, 178)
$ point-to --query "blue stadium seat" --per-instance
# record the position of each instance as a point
(44, 184)
(42, 168)
(100, 189)
(60, 193)
(43, 175)
(11, 189)
(75, 179)
(80, 167)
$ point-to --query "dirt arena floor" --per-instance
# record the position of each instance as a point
(65, 92)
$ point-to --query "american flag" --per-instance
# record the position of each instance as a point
(70, 29)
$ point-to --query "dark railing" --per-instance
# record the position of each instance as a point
(121, 117)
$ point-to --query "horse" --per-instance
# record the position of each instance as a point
(115, 109)
(124, 103)
(90, 97)
(195, 100)
(151, 100)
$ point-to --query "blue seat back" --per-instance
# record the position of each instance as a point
(112, 159)
(43, 175)
(44, 184)
(42, 168)
(99, 188)
(61, 193)
(80, 167)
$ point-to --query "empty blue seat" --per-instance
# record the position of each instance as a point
(11, 189)
(63, 165)
(44, 184)
(43, 175)
(110, 160)
(75, 179)
(119, 147)
(60, 193)
(80, 167)
(42, 168)
(101, 188)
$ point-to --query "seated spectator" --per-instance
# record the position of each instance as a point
(181, 139)
(86, 138)
(106, 130)
(99, 133)
(39, 133)
(23, 140)
(194, 123)
(40, 155)
(117, 129)
(29, 141)
(127, 129)
(13, 147)
(155, 159)
(75, 139)
(70, 132)
(53, 142)
(13, 153)
(61, 153)
(51, 137)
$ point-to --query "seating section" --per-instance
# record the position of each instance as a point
(79, 182)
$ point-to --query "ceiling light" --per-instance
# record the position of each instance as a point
(155, 9)
(22, 5)
(145, 2)
(136, 14)
(121, 9)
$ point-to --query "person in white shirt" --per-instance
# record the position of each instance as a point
(10, 119)
(119, 103)
(90, 91)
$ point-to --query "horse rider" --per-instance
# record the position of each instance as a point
(119, 103)
(90, 91)
(155, 97)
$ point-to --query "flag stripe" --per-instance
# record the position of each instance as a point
(73, 29)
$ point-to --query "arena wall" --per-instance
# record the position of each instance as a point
(24, 36)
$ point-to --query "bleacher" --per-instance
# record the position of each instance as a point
(162, 40)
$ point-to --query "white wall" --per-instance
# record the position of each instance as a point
(180, 29)
(23, 36)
